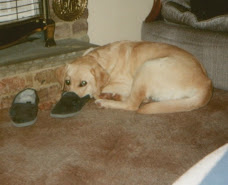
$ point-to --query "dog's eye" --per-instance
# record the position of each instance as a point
(83, 83)
(67, 82)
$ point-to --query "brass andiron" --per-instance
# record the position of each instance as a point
(69, 10)
(17, 31)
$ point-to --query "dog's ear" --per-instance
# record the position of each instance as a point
(60, 74)
(101, 76)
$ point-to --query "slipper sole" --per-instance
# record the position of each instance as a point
(63, 115)
(24, 124)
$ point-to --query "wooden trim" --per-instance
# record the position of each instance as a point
(155, 11)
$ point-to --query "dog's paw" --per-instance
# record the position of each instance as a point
(110, 96)
(105, 96)
(101, 103)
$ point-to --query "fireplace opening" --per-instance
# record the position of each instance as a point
(26, 27)
(21, 18)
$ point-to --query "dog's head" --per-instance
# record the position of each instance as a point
(84, 77)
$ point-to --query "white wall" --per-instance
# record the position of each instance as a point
(112, 20)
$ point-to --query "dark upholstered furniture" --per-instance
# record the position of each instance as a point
(171, 21)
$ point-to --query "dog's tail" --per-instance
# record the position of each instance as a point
(178, 105)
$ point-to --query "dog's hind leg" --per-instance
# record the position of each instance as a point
(177, 105)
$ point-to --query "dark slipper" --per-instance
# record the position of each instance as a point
(24, 108)
(69, 104)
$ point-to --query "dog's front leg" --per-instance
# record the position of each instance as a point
(110, 96)
(133, 93)
(117, 91)
(132, 103)
(112, 104)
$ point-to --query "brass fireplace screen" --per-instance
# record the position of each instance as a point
(21, 18)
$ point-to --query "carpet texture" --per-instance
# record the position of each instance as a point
(110, 147)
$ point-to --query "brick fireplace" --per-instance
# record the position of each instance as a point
(32, 65)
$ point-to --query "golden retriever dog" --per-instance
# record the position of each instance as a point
(146, 77)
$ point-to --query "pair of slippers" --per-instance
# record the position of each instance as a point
(24, 108)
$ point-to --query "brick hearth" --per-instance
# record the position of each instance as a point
(37, 71)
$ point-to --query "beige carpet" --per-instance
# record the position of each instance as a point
(110, 147)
